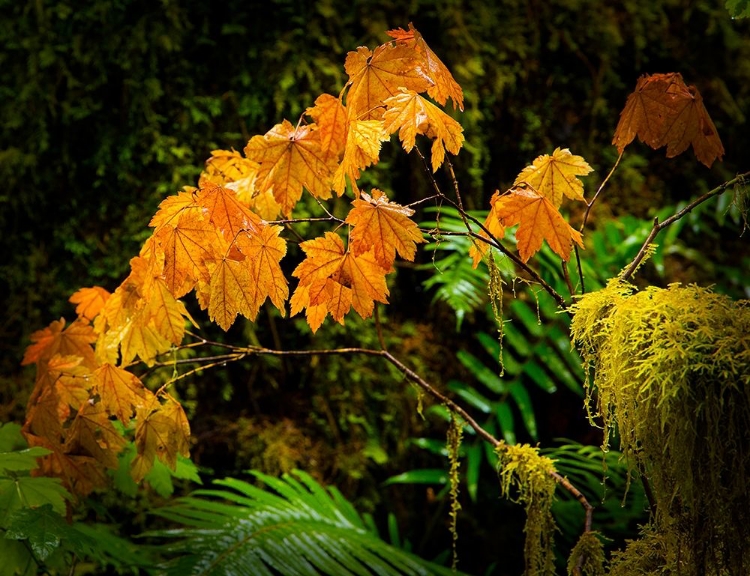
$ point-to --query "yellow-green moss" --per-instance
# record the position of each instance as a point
(587, 557)
(672, 376)
(455, 434)
(525, 476)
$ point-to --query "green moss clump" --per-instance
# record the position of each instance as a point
(587, 556)
(672, 376)
(522, 468)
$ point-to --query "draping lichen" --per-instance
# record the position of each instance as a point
(526, 477)
(672, 378)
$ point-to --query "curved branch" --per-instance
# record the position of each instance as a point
(429, 389)
(658, 227)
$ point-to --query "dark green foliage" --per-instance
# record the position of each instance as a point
(304, 529)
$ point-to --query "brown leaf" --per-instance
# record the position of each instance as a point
(664, 111)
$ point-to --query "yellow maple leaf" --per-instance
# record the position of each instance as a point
(120, 392)
(383, 226)
(363, 141)
(556, 175)
(377, 75)
(411, 114)
(539, 220)
(444, 85)
(291, 158)
(333, 281)
(234, 172)
(90, 301)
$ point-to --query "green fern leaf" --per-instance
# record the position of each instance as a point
(301, 529)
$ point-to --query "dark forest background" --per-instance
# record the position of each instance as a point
(107, 107)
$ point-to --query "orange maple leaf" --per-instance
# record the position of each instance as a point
(445, 86)
(162, 431)
(363, 141)
(539, 220)
(242, 280)
(291, 158)
(411, 114)
(664, 111)
(330, 116)
(556, 176)
(333, 281)
(90, 301)
(377, 75)
(478, 249)
(74, 340)
(384, 226)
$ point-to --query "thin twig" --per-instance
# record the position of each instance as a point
(580, 269)
(300, 220)
(423, 200)
(379, 327)
(566, 275)
(589, 205)
(658, 227)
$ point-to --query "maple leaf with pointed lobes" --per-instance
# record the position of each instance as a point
(445, 86)
(90, 301)
(241, 282)
(333, 281)
(411, 114)
(664, 111)
(79, 474)
(384, 226)
(234, 172)
(93, 434)
(120, 392)
(330, 116)
(377, 75)
(539, 220)
(74, 340)
(162, 431)
(142, 317)
(556, 176)
(291, 158)
(362, 149)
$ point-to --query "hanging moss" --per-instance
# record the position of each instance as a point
(496, 301)
(587, 557)
(524, 471)
(455, 434)
(672, 376)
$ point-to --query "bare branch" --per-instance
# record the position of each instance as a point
(658, 227)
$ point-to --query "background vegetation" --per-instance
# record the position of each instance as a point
(107, 108)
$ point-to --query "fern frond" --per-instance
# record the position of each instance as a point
(301, 529)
